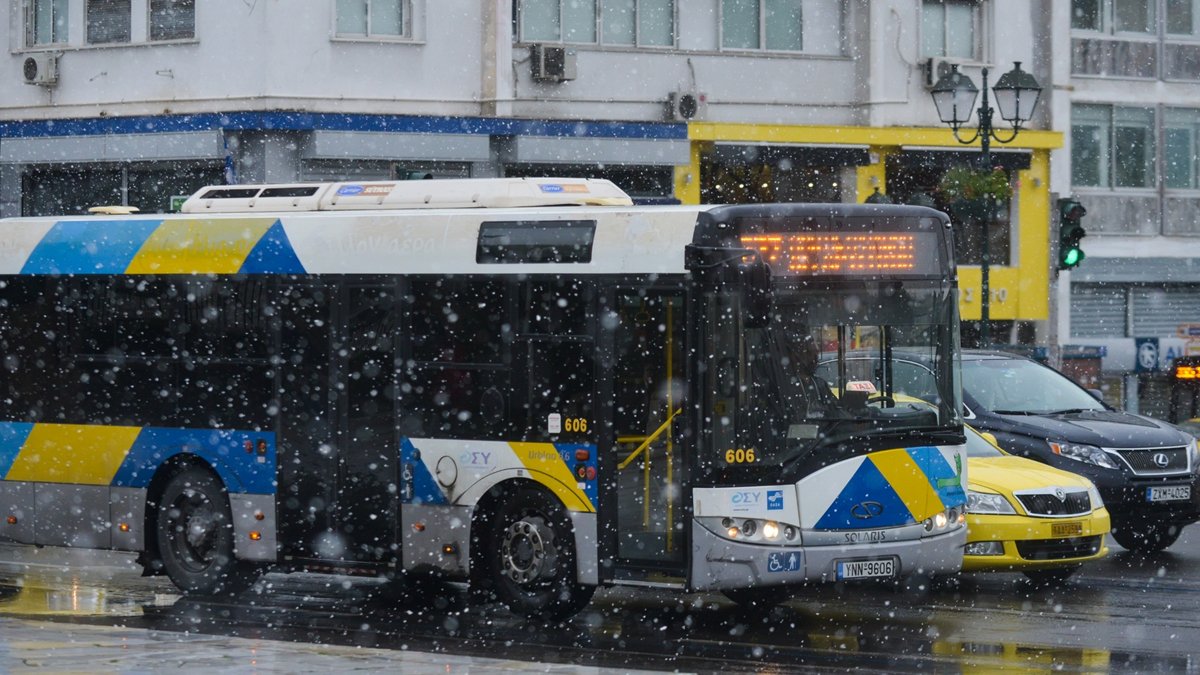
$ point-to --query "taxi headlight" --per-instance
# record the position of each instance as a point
(988, 502)
(1094, 495)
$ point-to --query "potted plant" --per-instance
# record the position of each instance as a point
(973, 193)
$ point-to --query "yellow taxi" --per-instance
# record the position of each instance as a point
(1025, 516)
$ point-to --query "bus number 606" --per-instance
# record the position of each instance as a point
(739, 456)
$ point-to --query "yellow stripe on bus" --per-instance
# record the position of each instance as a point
(543, 459)
(199, 246)
(73, 453)
(909, 482)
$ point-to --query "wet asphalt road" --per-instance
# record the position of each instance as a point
(1128, 612)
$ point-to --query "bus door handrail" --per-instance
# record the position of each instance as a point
(649, 440)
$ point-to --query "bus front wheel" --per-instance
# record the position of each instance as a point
(531, 561)
(195, 536)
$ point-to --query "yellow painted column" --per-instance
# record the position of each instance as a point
(873, 175)
(687, 178)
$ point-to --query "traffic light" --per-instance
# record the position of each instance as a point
(1070, 231)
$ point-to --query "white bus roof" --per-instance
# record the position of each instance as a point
(406, 194)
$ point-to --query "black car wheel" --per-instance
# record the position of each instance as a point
(195, 536)
(1146, 538)
(1052, 577)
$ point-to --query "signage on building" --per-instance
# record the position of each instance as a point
(1145, 355)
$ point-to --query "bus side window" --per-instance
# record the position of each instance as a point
(560, 384)
(456, 357)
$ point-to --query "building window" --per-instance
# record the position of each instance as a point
(1096, 130)
(108, 21)
(45, 22)
(1181, 129)
(172, 19)
(642, 23)
(373, 18)
(810, 26)
(1122, 16)
(951, 28)
(1182, 18)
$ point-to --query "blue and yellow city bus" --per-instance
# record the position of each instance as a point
(528, 384)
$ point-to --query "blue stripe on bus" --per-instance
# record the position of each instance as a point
(866, 485)
(425, 489)
(12, 437)
(225, 450)
(273, 254)
(942, 477)
(101, 246)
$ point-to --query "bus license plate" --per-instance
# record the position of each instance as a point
(866, 569)
(1168, 493)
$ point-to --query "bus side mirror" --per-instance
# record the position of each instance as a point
(757, 297)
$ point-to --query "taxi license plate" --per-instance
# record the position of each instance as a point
(866, 569)
(1066, 529)
(1168, 493)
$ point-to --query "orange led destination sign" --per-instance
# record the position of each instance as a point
(1187, 372)
(836, 252)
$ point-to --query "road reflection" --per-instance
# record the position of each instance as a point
(978, 624)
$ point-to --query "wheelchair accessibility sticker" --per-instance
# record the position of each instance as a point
(784, 561)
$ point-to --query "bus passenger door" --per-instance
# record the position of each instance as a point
(648, 389)
(366, 512)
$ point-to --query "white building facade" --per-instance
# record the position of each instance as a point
(140, 101)
(1130, 108)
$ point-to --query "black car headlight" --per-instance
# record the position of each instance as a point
(1084, 453)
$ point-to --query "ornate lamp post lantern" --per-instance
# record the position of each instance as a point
(1017, 95)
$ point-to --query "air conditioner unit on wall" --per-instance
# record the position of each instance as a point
(41, 69)
(552, 63)
(937, 67)
(686, 105)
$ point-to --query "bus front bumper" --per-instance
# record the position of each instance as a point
(718, 563)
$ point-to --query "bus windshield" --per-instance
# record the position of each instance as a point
(800, 384)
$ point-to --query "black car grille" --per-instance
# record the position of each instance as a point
(1143, 461)
(1072, 504)
(1058, 549)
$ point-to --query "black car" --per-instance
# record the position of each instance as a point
(1146, 469)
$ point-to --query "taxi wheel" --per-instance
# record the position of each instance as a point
(531, 561)
(1053, 577)
(195, 536)
(1146, 538)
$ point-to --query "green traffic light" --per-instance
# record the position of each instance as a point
(1072, 257)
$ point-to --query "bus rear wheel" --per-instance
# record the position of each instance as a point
(530, 557)
(195, 536)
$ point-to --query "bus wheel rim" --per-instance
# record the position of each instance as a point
(527, 551)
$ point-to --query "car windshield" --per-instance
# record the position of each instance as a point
(978, 446)
(1019, 386)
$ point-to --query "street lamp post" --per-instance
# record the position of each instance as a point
(1017, 95)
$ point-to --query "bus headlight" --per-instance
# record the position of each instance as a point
(944, 521)
(770, 530)
(752, 530)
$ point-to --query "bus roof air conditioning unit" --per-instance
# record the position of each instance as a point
(552, 63)
(40, 69)
(937, 67)
(686, 105)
